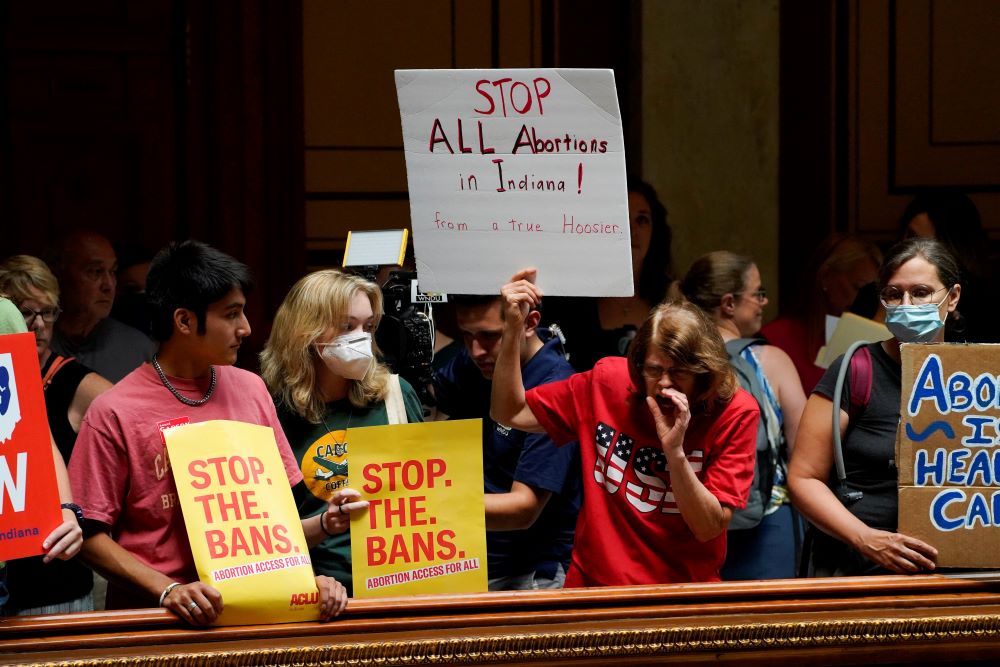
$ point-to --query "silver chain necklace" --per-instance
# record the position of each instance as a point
(180, 397)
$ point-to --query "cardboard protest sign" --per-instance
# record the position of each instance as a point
(244, 528)
(947, 451)
(515, 168)
(29, 494)
(425, 530)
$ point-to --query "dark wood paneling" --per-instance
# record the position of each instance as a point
(88, 125)
(355, 170)
(946, 106)
(808, 181)
(156, 121)
(607, 35)
(243, 139)
(923, 108)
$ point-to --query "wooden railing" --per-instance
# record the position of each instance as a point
(816, 622)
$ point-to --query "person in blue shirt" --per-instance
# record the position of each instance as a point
(532, 485)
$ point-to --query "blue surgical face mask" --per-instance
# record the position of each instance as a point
(915, 324)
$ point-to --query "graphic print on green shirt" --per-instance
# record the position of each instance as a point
(322, 451)
(331, 459)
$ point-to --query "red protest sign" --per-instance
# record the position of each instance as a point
(29, 495)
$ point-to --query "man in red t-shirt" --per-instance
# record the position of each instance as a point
(667, 440)
(119, 470)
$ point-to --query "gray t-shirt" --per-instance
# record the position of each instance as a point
(112, 349)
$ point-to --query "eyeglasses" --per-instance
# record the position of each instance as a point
(654, 372)
(48, 315)
(760, 295)
(919, 295)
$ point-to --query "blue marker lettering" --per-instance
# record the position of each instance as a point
(938, 505)
(960, 391)
(929, 386)
(976, 423)
(980, 466)
(924, 469)
(956, 466)
(978, 511)
(986, 391)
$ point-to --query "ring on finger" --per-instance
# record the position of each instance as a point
(194, 607)
(340, 508)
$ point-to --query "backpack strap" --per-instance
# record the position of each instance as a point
(394, 407)
(861, 382)
(736, 346)
(54, 367)
(861, 386)
(767, 449)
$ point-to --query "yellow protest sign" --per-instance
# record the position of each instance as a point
(244, 528)
(425, 530)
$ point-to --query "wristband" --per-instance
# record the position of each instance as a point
(322, 523)
(166, 591)
(76, 510)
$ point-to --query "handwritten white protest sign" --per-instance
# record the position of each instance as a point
(515, 168)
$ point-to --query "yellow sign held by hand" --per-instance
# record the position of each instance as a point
(244, 528)
(425, 529)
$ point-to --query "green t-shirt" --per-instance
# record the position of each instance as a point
(321, 450)
(11, 320)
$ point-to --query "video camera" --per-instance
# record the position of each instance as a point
(405, 335)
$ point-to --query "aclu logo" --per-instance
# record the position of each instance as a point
(10, 408)
(304, 599)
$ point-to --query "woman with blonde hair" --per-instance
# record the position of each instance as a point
(69, 387)
(321, 366)
(666, 439)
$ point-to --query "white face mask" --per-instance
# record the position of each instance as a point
(349, 356)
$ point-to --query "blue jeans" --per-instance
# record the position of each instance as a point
(85, 603)
(532, 581)
(4, 593)
(766, 551)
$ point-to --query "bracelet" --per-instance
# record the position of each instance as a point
(322, 523)
(76, 510)
(166, 591)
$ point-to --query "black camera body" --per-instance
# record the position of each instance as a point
(405, 336)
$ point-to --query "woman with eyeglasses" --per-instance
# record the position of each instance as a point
(666, 441)
(69, 388)
(763, 536)
(919, 287)
(321, 365)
